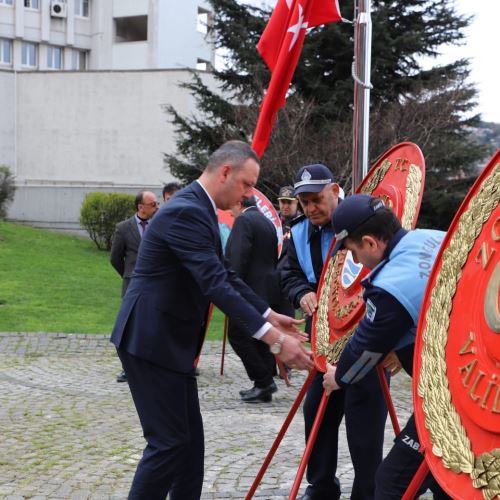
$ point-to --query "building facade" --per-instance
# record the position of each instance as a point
(83, 90)
(105, 34)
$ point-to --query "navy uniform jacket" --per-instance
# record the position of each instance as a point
(180, 269)
(387, 321)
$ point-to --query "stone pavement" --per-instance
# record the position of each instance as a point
(69, 431)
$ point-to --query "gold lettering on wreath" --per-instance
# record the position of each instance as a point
(491, 311)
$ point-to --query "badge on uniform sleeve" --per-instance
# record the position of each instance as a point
(371, 310)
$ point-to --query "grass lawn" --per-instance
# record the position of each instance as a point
(53, 282)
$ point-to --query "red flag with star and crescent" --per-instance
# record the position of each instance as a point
(280, 46)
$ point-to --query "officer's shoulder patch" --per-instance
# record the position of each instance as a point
(371, 310)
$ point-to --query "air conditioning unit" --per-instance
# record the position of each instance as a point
(58, 8)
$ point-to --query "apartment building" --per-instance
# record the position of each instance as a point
(83, 90)
(104, 34)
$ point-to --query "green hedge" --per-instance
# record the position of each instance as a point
(7, 189)
(100, 212)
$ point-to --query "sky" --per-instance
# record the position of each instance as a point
(482, 47)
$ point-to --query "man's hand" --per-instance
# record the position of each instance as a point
(287, 325)
(391, 363)
(309, 303)
(329, 383)
(293, 353)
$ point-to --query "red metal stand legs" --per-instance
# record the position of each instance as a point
(309, 446)
(388, 399)
(281, 434)
(224, 341)
(417, 481)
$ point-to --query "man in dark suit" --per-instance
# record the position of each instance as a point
(128, 235)
(159, 329)
(126, 240)
(169, 190)
(252, 252)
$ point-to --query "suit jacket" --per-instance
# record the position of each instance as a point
(180, 269)
(125, 247)
(252, 252)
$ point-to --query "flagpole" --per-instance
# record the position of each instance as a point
(361, 71)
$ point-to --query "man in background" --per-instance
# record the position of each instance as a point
(364, 408)
(252, 251)
(169, 190)
(288, 208)
(126, 242)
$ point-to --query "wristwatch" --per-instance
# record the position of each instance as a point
(276, 347)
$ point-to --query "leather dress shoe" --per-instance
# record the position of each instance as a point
(272, 388)
(122, 377)
(260, 394)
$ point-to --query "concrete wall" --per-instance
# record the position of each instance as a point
(88, 131)
(7, 119)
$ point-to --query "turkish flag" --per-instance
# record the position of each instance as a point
(280, 46)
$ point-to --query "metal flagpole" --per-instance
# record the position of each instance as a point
(361, 70)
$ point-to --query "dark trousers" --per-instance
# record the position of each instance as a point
(400, 465)
(365, 414)
(258, 361)
(168, 408)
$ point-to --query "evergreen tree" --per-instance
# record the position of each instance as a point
(432, 107)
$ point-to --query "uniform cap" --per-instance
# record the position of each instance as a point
(286, 193)
(312, 178)
(351, 213)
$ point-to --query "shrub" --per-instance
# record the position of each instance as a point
(7, 189)
(100, 212)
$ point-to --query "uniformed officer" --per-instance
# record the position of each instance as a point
(365, 408)
(393, 296)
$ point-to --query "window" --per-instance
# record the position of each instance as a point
(6, 2)
(82, 8)
(54, 57)
(5, 51)
(29, 54)
(131, 29)
(31, 4)
(202, 65)
(78, 60)
(203, 21)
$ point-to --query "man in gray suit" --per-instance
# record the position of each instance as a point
(126, 242)
(128, 236)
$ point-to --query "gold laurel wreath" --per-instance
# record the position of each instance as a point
(447, 435)
(323, 347)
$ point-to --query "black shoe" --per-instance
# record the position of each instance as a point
(309, 495)
(271, 387)
(260, 395)
(244, 392)
(122, 377)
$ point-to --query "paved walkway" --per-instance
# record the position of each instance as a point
(68, 430)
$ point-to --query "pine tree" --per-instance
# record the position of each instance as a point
(431, 107)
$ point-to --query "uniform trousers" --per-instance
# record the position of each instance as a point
(400, 465)
(168, 408)
(259, 362)
(365, 412)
